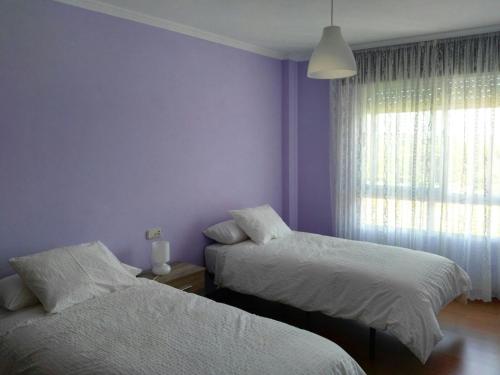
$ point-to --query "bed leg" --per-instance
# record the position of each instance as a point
(373, 332)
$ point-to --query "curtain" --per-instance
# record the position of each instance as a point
(415, 152)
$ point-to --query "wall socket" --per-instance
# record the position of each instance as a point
(153, 234)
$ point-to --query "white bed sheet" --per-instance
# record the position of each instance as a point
(211, 256)
(155, 329)
(388, 288)
(10, 320)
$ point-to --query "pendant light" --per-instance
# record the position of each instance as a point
(332, 58)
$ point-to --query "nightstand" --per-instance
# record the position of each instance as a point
(184, 276)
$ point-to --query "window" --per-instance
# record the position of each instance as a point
(441, 165)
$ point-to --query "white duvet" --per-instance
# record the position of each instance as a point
(388, 288)
(155, 329)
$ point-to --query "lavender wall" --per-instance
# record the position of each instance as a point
(109, 127)
(313, 149)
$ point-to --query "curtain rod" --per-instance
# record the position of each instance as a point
(431, 40)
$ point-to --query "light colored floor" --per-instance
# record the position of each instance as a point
(471, 344)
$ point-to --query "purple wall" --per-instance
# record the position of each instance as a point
(110, 127)
(313, 150)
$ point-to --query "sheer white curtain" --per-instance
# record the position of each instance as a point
(415, 156)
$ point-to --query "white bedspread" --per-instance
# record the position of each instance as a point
(155, 329)
(388, 288)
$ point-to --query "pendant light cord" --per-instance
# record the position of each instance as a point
(331, 14)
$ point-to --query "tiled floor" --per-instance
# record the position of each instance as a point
(471, 344)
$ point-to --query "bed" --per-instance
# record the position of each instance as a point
(151, 328)
(396, 290)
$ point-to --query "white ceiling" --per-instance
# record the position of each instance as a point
(293, 27)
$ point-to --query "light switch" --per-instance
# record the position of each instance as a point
(153, 234)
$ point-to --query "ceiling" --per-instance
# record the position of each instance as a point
(285, 28)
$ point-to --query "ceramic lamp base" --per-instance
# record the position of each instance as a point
(161, 269)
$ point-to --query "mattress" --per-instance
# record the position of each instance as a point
(211, 256)
(152, 328)
(392, 289)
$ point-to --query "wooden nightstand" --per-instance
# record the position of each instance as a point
(184, 276)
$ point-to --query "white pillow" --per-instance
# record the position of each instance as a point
(226, 232)
(261, 224)
(14, 295)
(65, 276)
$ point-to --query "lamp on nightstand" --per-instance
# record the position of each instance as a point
(160, 255)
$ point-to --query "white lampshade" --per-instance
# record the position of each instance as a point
(160, 255)
(332, 58)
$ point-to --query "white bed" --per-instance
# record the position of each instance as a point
(155, 329)
(392, 289)
(211, 256)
